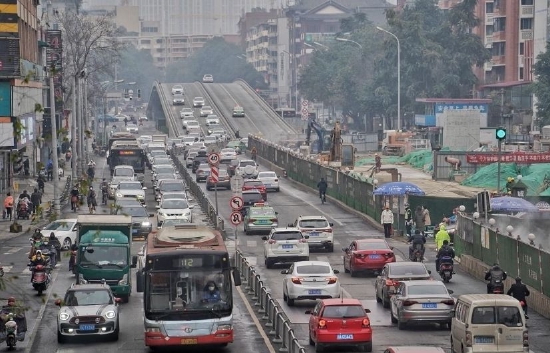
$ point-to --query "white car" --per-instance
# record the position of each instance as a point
(319, 230)
(175, 195)
(174, 209)
(285, 245)
(198, 102)
(120, 173)
(188, 140)
(310, 280)
(132, 128)
(228, 153)
(190, 158)
(130, 189)
(186, 113)
(143, 118)
(247, 168)
(270, 180)
(178, 99)
(212, 119)
(187, 120)
(209, 140)
(206, 110)
(190, 123)
(207, 78)
(64, 230)
(177, 89)
(221, 133)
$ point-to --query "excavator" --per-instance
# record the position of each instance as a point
(339, 155)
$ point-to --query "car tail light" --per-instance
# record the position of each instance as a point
(329, 230)
(273, 220)
(391, 283)
(251, 220)
(276, 180)
(409, 302)
(303, 240)
(448, 302)
(332, 280)
(359, 255)
(525, 339)
(271, 241)
(322, 324)
(468, 339)
(365, 323)
(296, 280)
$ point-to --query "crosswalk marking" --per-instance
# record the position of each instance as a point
(12, 251)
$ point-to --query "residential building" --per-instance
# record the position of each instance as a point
(20, 85)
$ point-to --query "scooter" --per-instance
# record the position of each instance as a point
(11, 332)
(417, 254)
(446, 268)
(497, 287)
(40, 278)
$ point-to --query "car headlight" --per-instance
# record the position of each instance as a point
(81, 279)
(145, 224)
(110, 314)
(118, 194)
(124, 280)
(64, 316)
(140, 196)
(160, 214)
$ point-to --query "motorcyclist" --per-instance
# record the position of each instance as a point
(441, 236)
(446, 250)
(72, 258)
(55, 243)
(74, 198)
(37, 235)
(40, 182)
(37, 259)
(24, 195)
(18, 315)
(211, 293)
(237, 134)
(104, 190)
(494, 274)
(91, 171)
(92, 200)
(417, 239)
(322, 186)
(47, 248)
(520, 291)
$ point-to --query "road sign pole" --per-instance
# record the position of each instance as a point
(216, 197)
(236, 247)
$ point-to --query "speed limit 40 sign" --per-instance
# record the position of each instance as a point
(213, 159)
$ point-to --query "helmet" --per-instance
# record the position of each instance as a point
(91, 187)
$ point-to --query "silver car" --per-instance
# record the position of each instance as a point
(421, 301)
(131, 189)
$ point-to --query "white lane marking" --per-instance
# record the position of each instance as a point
(12, 251)
(324, 213)
(259, 327)
(7, 268)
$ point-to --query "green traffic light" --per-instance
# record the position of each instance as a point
(501, 134)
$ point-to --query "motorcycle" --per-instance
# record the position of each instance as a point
(417, 254)
(446, 268)
(497, 287)
(40, 278)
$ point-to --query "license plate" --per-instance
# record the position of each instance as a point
(314, 291)
(313, 234)
(374, 257)
(264, 221)
(429, 305)
(288, 246)
(484, 339)
(134, 231)
(344, 337)
(189, 341)
(87, 327)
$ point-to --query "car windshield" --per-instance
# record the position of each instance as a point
(286, 236)
(88, 297)
(207, 107)
(172, 187)
(188, 139)
(131, 125)
(192, 155)
(124, 172)
(267, 175)
(166, 176)
(60, 225)
(174, 195)
(313, 269)
(130, 186)
(262, 212)
(191, 123)
(429, 289)
(137, 211)
(343, 311)
(103, 256)
(367, 245)
(228, 150)
(187, 110)
(313, 223)
(171, 141)
(175, 204)
(210, 138)
(165, 170)
(252, 197)
(246, 163)
(156, 153)
(174, 222)
(408, 270)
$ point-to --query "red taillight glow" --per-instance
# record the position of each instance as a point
(359, 255)
(303, 240)
(332, 280)
(448, 302)
(322, 324)
(273, 220)
(365, 323)
(271, 241)
(251, 220)
(296, 280)
(328, 230)
(409, 302)
(388, 255)
(391, 283)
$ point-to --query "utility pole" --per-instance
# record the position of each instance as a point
(55, 157)
(74, 120)
(85, 116)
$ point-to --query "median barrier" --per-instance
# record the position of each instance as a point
(277, 324)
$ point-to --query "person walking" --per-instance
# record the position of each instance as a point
(427, 218)
(36, 200)
(49, 169)
(8, 205)
(419, 220)
(520, 291)
(387, 221)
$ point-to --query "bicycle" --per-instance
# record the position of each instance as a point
(323, 197)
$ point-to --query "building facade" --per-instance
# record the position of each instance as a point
(20, 86)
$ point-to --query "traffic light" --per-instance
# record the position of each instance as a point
(126, 94)
(17, 162)
(139, 93)
(500, 134)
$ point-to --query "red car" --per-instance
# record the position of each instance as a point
(367, 255)
(253, 184)
(340, 323)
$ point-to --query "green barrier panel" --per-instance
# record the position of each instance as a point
(545, 275)
(477, 241)
(529, 266)
(508, 254)
(488, 246)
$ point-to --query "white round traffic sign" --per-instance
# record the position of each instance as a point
(305, 103)
(236, 203)
(213, 158)
(236, 218)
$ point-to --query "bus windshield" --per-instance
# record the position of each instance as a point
(133, 158)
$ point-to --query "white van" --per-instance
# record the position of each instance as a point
(488, 323)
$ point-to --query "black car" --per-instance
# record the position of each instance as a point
(201, 157)
(250, 197)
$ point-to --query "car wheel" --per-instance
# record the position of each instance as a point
(367, 347)
(330, 248)
(60, 337)
(125, 298)
(114, 337)
(289, 301)
(311, 342)
(345, 269)
(385, 302)
(67, 243)
(319, 348)
(268, 263)
(278, 189)
(400, 324)
(393, 319)
(352, 272)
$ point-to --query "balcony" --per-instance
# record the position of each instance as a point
(527, 11)
(499, 36)
(498, 60)
(489, 19)
(526, 34)
(488, 41)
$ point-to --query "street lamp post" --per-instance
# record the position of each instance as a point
(349, 41)
(398, 75)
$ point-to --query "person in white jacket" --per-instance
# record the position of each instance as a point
(387, 221)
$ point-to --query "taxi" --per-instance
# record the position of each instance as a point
(238, 111)
(260, 218)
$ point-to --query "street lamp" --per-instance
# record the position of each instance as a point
(349, 40)
(321, 45)
(398, 75)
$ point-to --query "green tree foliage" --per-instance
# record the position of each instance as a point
(223, 60)
(137, 66)
(541, 86)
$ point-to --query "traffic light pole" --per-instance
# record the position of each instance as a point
(498, 164)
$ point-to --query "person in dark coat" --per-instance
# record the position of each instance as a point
(36, 200)
(520, 291)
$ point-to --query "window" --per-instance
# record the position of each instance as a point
(343, 311)
(286, 236)
(509, 316)
(408, 270)
(499, 48)
(489, 7)
(427, 289)
(526, 23)
(367, 245)
(313, 223)
(489, 30)
(483, 315)
(527, 2)
(500, 24)
(313, 270)
(521, 48)
(521, 73)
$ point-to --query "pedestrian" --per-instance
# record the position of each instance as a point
(36, 199)
(40, 182)
(8, 205)
(427, 218)
(49, 169)
(419, 220)
(387, 221)
(26, 167)
(377, 162)
(520, 291)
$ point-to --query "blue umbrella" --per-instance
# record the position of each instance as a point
(399, 188)
(511, 204)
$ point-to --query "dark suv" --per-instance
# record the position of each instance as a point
(202, 157)
(250, 197)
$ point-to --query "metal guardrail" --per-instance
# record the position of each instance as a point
(65, 193)
(165, 103)
(280, 330)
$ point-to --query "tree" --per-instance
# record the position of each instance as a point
(221, 59)
(541, 86)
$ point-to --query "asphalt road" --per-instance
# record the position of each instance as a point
(42, 313)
